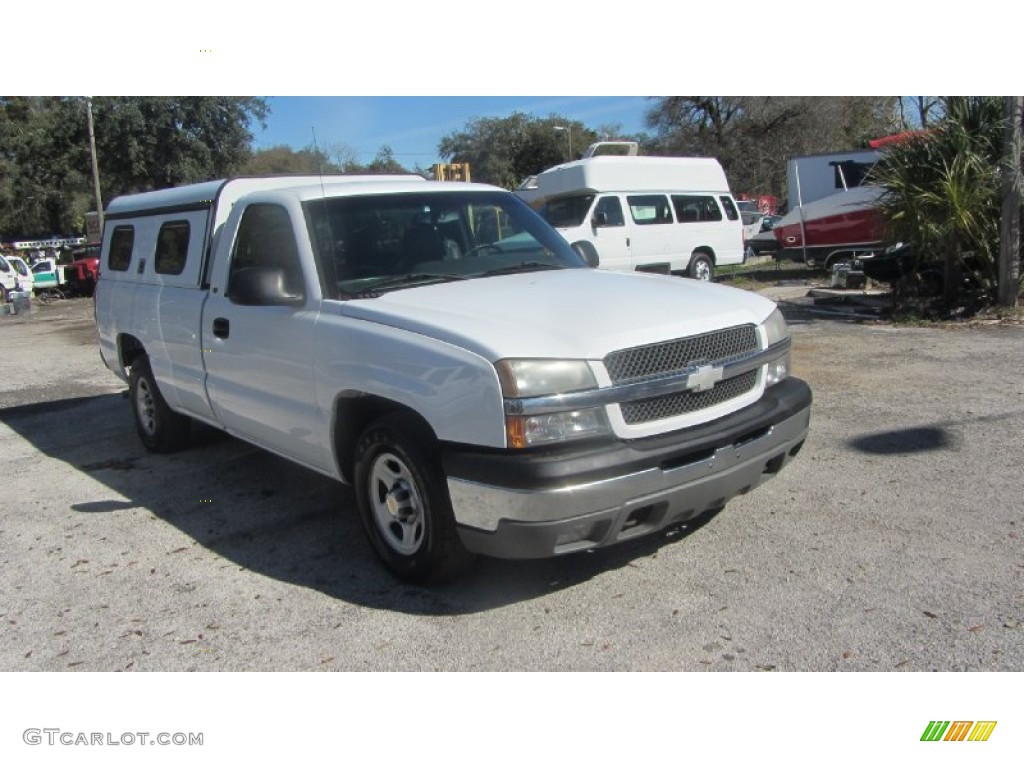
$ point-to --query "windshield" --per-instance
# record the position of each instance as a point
(371, 243)
(567, 211)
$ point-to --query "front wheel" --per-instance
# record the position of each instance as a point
(160, 429)
(701, 267)
(403, 502)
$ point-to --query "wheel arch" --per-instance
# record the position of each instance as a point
(707, 250)
(587, 252)
(353, 412)
(129, 349)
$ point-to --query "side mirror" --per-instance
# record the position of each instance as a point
(600, 220)
(262, 286)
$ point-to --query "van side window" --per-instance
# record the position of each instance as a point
(649, 209)
(266, 239)
(692, 208)
(730, 208)
(172, 248)
(612, 210)
(121, 243)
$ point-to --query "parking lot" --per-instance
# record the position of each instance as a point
(893, 542)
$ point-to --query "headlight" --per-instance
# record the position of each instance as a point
(776, 331)
(525, 379)
(529, 378)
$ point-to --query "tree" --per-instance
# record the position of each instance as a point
(385, 162)
(918, 112)
(45, 162)
(158, 142)
(753, 136)
(504, 151)
(284, 159)
(143, 143)
(943, 192)
(1010, 213)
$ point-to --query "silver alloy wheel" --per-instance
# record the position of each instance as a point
(397, 507)
(145, 407)
(702, 271)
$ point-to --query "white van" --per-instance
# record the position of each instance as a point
(8, 279)
(671, 215)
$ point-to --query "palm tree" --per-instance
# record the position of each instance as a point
(943, 192)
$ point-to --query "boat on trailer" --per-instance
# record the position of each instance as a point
(840, 227)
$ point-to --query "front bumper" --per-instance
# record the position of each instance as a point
(538, 504)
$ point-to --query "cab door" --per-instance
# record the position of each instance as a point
(611, 234)
(258, 356)
(654, 246)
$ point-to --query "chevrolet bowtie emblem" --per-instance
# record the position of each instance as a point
(704, 378)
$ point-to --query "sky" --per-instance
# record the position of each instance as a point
(414, 125)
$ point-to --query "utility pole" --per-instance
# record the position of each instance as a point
(95, 164)
(1009, 234)
(568, 129)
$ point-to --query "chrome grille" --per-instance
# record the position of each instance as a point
(652, 360)
(667, 406)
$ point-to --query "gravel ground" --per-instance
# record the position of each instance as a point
(891, 543)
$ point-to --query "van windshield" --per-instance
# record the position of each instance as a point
(567, 211)
(368, 244)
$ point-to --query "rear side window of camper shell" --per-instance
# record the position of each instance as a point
(172, 248)
(121, 243)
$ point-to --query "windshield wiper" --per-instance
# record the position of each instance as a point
(523, 266)
(410, 280)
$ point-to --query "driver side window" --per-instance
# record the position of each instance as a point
(266, 239)
(612, 210)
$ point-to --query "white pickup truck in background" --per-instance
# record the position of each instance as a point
(442, 348)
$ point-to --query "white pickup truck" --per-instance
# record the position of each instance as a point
(442, 348)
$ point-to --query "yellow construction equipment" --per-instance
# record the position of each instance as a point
(451, 172)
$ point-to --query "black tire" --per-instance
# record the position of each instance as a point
(701, 267)
(160, 429)
(587, 252)
(403, 501)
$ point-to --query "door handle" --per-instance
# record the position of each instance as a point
(221, 327)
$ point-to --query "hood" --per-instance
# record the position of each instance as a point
(569, 314)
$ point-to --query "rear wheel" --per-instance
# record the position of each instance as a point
(403, 501)
(701, 267)
(160, 429)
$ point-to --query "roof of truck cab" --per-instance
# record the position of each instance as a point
(225, 192)
(387, 186)
(221, 191)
